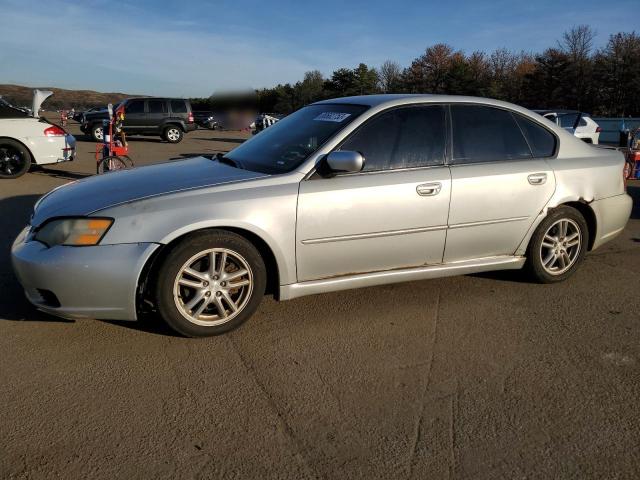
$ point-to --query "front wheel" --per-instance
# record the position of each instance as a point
(557, 246)
(628, 170)
(15, 159)
(173, 134)
(111, 164)
(210, 283)
(97, 133)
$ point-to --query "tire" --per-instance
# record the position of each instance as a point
(554, 254)
(15, 159)
(111, 164)
(628, 170)
(127, 160)
(97, 132)
(200, 305)
(173, 134)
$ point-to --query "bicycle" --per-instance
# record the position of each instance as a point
(115, 152)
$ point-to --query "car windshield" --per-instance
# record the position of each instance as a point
(283, 146)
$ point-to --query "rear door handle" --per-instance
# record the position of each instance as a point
(537, 178)
(429, 189)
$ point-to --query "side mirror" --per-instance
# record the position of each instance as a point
(345, 161)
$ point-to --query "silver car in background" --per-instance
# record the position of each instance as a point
(342, 194)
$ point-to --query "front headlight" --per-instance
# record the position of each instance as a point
(79, 232)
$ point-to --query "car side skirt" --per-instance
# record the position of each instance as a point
(346, 282)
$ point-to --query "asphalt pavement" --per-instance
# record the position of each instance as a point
(482, 376)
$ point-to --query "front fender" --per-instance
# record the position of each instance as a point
(267, 211)
(286, 263)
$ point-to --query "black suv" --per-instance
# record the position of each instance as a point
(169, 118)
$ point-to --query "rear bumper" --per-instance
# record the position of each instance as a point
(48, 150)
(190, 127)
(81, 282)
(612, 215)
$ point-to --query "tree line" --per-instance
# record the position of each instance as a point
(571, 74)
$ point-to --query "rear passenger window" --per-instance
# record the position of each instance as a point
(156, 106)
(178, 106)
(486, 134)
(541, 140)
(402, 138)
(137, 106)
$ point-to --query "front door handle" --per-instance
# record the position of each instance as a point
(429, 189)
(537, 178)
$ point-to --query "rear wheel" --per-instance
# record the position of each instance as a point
(558, 245)
(15, 159)
(173, 134)
(210, 283)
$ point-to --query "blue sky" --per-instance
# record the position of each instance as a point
(195, 48)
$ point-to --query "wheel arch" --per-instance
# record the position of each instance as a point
(589, 216)
(149, 272)
(579, 204)
(33, 158)
(173, 123)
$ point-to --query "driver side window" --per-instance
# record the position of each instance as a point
(404, 137)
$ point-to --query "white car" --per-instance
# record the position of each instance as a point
(578, 123)
(27, 140)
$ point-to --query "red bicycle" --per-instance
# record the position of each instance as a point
(113, 153)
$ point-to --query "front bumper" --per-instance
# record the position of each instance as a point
(81, 282)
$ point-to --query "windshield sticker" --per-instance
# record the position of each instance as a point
(332, 117)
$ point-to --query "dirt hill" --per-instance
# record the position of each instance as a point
(22, 96)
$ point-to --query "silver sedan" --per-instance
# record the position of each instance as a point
(342, 194)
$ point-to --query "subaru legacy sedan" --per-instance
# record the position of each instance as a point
(343, 193)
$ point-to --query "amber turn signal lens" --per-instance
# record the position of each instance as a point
(99, 224)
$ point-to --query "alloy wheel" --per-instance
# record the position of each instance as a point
(213, 287)
(98, 133)
(11, 160)
(173, 134)
(560, 246)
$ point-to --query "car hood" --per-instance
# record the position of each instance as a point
(89, 195)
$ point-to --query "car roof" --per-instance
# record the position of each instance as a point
(390, 100)
(561, 112)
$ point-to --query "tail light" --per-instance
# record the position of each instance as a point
(630, 166)
(190, 117)
(599, 129)
(54, 131)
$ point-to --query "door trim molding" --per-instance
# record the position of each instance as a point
(361, 236)
(489, 222)
(407, 231)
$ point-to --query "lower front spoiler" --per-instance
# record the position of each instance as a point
(82, 282)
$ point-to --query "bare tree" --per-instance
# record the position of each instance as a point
(390, 74)
(578, 42)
